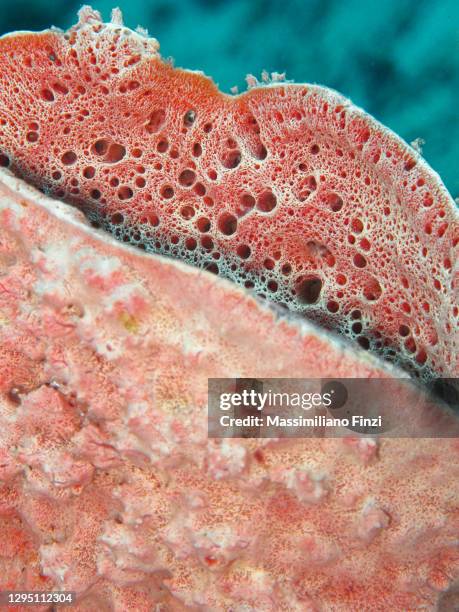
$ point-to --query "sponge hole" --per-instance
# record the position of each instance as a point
(308, 289)
(334, 201)
(267, 201)
(156, 121)
(89, 172)
(227, 224)
(125, 193)
(187, 178)
(47, 95)
(69, 158)
(231, 159)
(4, 160)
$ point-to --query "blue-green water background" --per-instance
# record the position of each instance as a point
(398, 59)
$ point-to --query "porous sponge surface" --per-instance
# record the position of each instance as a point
(287, 189)
(109, 485)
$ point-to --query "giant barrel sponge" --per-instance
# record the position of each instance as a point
(109, 484)
(287, 189)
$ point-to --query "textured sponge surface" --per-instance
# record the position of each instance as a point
(287, 189)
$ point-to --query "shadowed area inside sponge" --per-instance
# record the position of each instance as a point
(288, 190)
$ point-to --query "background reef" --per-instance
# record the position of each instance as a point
(398, 59)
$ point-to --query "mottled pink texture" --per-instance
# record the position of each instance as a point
(109, 485)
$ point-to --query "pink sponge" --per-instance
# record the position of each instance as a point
(286, 189)
(109, 485)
